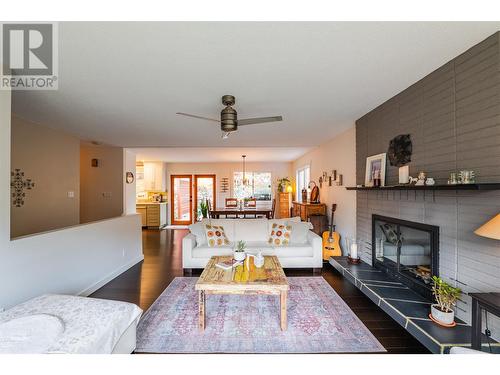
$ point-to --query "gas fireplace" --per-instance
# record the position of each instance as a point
(406, 250)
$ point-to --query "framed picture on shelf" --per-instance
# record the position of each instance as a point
(375, 170)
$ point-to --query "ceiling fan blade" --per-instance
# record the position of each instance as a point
(195, 116)
(259, 120)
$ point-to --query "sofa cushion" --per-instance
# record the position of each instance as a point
(208, 252)
(293, 251)
(198, 229)
(280, 235)
(251, 230)
(298, 234)
(216, 236)
(228, 225)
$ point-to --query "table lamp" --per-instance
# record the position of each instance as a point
(490, 229)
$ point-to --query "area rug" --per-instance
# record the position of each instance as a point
(319, 321)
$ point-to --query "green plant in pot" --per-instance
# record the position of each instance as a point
(283, 183)
(239, 251)
(204, 209)
(446, 297)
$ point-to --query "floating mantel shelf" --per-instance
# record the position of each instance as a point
(485, 186)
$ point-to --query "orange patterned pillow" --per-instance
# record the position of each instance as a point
(216, 236)
(280, 234)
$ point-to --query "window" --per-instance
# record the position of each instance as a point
(302, 179)
(259, 185)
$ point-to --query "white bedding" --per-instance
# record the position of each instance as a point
(91, 326)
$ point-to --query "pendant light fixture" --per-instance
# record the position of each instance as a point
(245, 180)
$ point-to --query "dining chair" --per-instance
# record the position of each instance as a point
(273, 208)
(231, 203)
(250, 203)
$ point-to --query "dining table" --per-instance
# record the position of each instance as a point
(241, 212)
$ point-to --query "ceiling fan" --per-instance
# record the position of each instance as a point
(229, 118)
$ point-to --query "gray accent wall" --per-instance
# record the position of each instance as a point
(453, 116)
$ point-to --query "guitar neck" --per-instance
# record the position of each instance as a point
(332, 227)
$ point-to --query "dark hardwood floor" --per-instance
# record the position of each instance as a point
(144, 282)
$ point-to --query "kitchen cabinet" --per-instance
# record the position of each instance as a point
(154, 215)
(141, 209)
(155, 176)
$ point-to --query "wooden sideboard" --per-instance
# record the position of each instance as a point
(284, 203)
(304, 210)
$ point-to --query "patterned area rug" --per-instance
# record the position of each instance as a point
(319, 321)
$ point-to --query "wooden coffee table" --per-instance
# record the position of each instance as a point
(269, 279)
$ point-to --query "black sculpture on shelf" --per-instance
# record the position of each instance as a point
(400, 149)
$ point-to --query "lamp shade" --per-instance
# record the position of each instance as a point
(490, 229)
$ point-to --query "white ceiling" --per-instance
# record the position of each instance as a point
(219, 154)
(121, 83)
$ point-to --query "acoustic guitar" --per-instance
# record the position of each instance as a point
(331, 240)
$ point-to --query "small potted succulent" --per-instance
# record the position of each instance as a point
(239, 251)
(446, 297)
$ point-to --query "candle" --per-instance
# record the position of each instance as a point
(404, 174)
(354, 251)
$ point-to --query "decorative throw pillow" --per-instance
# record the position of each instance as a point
(216, 236)
(280, 235)
(198, 229)
(299, 232)
(390, 233)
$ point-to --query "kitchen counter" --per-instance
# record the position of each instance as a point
(153, 214)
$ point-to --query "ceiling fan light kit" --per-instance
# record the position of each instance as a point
(229, 117)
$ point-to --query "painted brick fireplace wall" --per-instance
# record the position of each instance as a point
(453, 116)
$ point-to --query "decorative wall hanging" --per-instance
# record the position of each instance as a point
(400, 149)
(94, 163)
(320, 180)
(129, 177)
(339, 180)
(18, 184)
(224, 186)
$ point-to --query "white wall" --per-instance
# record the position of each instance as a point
(277, 169)
(75, 260)
(101, 187)
(340, 154)
(51, 159)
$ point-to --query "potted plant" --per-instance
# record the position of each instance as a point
(283, 183)
(446, 296)
(204, 209)
(239, 251)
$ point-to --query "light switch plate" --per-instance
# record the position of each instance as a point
(71, 194)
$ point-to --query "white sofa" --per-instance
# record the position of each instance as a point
(307, 253)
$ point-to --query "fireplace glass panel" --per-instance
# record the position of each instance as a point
(415, 253)
(407, 249)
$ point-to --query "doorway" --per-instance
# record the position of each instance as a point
(181, 199)
(204, 188)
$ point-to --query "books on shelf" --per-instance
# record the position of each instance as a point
(228, 264)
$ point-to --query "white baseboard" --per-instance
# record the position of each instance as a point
(111, 276)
